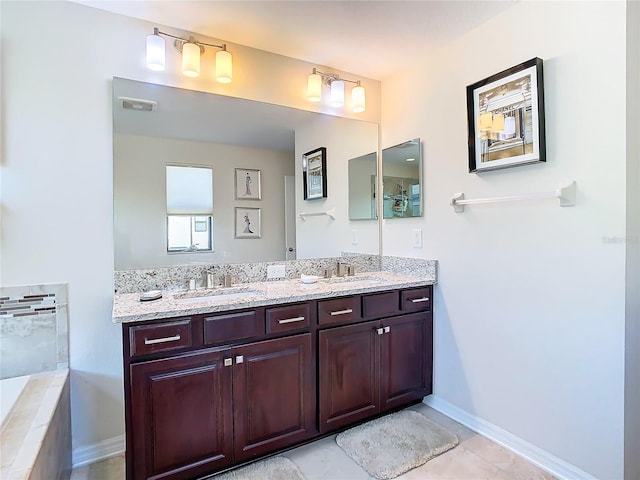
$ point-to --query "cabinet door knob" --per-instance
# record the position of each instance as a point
(380, 331)
(239, 359)
(228, 362)
(387, 329)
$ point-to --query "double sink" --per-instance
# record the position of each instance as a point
(243, 291)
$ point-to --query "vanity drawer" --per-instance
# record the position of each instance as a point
(291, 317)
(220, 329)
(160, 337)
(338, 310)
(380, 304)
(415, 299)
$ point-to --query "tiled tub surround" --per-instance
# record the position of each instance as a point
(33, 329)
(36, 433)
(35, 442)
(128, 308)
(176, 278)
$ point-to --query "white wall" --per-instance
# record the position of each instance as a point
(140, 200)
(363, 176)
(530, 306)
(344, 140)
(58, 60)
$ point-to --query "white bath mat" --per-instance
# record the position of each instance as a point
(276, 468)
(393, 444)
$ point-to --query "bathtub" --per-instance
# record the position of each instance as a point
(35, 440)
(10, 390)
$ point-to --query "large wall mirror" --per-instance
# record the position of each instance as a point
(236, 139)
(402, 180)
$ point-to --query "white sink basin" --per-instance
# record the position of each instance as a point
(231, 293)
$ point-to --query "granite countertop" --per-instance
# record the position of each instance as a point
(128, 307)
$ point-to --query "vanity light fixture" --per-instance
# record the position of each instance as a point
(336, 86)
(191, 51)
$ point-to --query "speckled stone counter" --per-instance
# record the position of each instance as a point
(128, 308)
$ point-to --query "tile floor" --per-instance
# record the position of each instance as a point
(475, 458)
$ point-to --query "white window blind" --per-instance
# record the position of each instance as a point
(189, 190)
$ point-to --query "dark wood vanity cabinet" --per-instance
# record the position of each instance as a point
(372, 367)
(199, 412)
(181, 416)
(207, 392)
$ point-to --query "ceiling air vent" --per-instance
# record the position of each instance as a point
(138, 104)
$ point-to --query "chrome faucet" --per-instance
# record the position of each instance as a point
(341, 271)
(207, 280)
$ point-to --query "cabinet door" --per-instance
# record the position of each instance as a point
(349, 367)
(406, 359)
(273, 395)
(181, 416)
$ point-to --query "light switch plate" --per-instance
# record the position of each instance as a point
(275, 271)
(417, 237)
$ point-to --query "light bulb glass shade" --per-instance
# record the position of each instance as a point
(155, 52)
(358, 102)
(314, 87)
(485, 121)
(498, 123)
(190, 59)
(337, 93)
(224, 67)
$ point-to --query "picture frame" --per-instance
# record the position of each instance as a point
(248, 184)
(314, 174)
(248, 221)
(505, 118)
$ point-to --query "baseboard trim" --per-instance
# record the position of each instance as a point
(552, 464)
(82, 456)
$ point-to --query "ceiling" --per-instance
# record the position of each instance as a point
(367, 38)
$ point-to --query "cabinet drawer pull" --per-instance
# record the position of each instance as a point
(153, 341)
(291, 320)
(419, 300)
(342, 312)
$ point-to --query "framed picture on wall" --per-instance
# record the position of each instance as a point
(314, 174)
(248, 184)
(505, 118)
(248, 222)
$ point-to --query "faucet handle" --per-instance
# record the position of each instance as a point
(342, 269)
(207, 280)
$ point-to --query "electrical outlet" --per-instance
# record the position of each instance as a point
(417, 237)
(275, 271)
(354, 237)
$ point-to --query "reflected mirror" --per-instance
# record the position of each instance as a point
(155, 126)
(401, 180)
(362, 187)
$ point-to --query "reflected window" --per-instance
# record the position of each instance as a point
(189, 208)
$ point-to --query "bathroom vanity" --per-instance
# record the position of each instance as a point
(217, 378)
